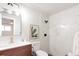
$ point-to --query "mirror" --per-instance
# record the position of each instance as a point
(10, 24)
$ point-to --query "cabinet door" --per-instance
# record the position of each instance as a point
(29, 50)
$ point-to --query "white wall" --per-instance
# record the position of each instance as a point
(63, 27)
(30, 16)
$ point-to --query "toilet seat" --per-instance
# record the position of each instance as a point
(41, 53)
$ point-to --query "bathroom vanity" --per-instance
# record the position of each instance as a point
(17, 50)
(11, 26)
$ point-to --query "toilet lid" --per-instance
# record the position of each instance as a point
(41, 53)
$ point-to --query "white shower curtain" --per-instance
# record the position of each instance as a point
(76, 44)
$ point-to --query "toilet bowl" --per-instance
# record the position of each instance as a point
(36, 49)
(70, 54)
(41, 53)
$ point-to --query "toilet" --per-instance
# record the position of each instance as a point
(36, 49)
(41, 53)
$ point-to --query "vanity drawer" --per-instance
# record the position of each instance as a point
(19, 51)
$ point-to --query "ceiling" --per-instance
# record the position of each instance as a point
(50, 8)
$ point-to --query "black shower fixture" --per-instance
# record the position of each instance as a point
(46, 21)
(45, 34)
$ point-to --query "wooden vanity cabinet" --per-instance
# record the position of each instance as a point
(18, 51)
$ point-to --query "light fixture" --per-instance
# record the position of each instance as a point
(9, 11)
(13, 4)
(15, 8)
(17, 13)
(1, 9)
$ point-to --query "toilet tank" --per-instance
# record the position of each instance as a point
(35, 46)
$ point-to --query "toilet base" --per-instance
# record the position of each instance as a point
(33, 53)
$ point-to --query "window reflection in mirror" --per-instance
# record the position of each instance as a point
(9, 24)
(7, 27)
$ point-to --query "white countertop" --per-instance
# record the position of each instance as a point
(13, 45)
